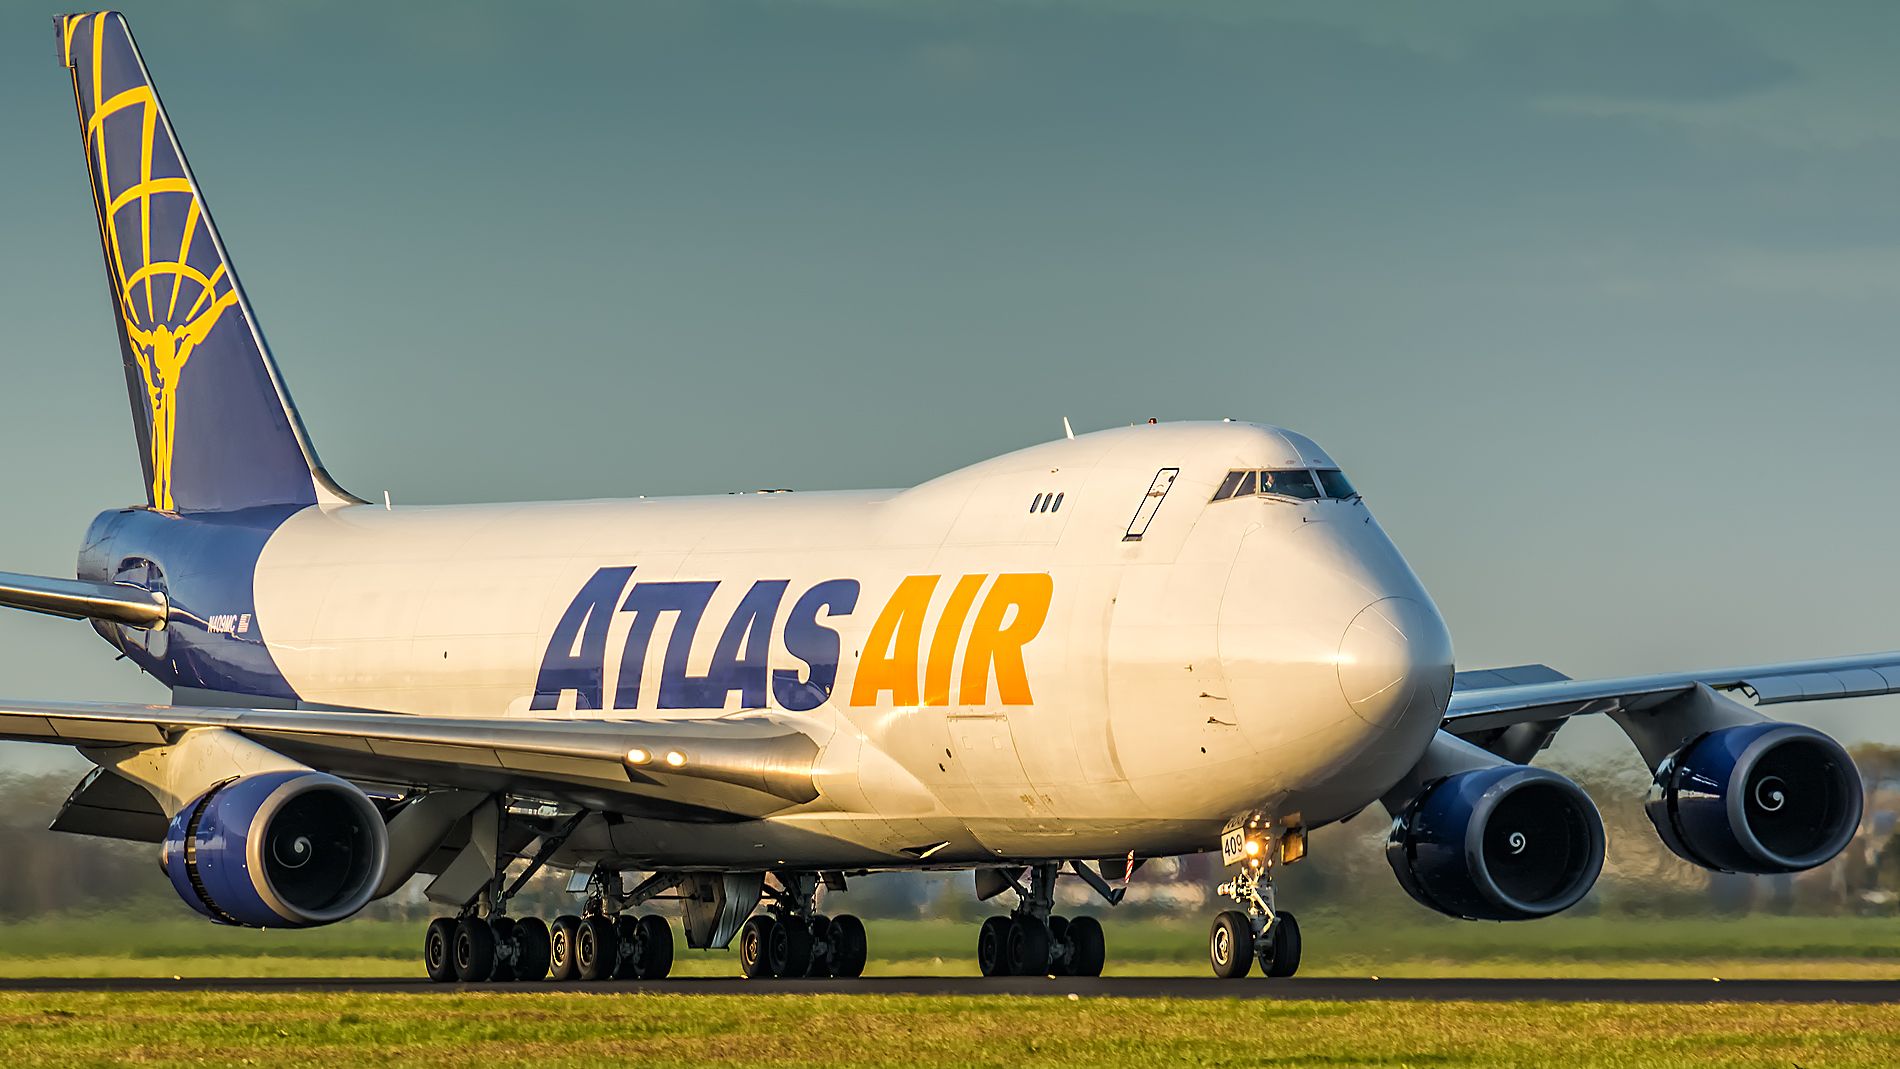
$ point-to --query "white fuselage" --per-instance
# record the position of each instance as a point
(1240, 654)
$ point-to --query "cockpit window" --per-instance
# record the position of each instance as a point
(1300, 484)
(1289, 482)
(1334, 482)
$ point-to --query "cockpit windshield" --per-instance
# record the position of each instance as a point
(1299, 484)
(1289, 482)
(1334, 482)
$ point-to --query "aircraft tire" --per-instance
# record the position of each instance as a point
(790, 948)
(755, 941)
(561, 936)
(438, 950)
(1088, 949)
(596, 948)
(531, 949)
(1060, 952)
(820, 936)
(503, 929)
(474, 950)
(627, 948)
(1230, 946)
(849, 947)
(1028, 947)
(992, 943)
(1283, 959)
(656, 947)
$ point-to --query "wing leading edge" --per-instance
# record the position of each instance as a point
(1500, 698)
(730, 767)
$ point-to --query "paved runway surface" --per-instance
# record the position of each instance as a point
(1345, 989)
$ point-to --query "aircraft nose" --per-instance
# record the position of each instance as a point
(1395, 658)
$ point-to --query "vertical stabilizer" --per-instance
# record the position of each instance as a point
(216, 429)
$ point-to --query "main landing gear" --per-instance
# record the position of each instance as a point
(792, 939)
(1256, 931)
(1032, 941)
(597, 945)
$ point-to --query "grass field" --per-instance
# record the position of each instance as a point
(437, 1027)
(547, 1030)
(1759, 946)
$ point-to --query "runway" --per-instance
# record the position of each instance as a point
(1354, 989)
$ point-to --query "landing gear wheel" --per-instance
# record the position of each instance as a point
(503, 929)
(531, 949)
(789, 949)
(1088, 951)
(1058, 946)
(561, 937)
(820, 936)
(626, 947)
(656, 947)
(438, 950)
(1028, 947)
(596, 950)
(1284, 957)
(992, 944)
(474, 950)
(848, 947)
(755, 941)
(1230, 946)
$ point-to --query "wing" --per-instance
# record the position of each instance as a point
(734, 767)
(1487, 703)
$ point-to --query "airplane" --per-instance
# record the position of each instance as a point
(1149, 641)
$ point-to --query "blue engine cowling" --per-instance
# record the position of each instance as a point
(277, 850)
(1506, 843)
(1758, 798)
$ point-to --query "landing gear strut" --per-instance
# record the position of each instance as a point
(792, 939)
(1258, 930)
(484, 944)
(1032, 941)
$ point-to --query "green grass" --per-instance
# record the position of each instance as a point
(1336, 945)
(550, 1030)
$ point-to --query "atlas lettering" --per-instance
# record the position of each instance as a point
(910, 656)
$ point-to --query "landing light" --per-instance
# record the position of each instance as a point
(639, 756)
(675, 759)
(1252, 848)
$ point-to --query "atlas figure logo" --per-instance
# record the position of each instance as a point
(159, 246)
(1011, 614)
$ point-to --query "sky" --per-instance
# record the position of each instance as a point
(1596, 301)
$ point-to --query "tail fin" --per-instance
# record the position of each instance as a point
(215, 425)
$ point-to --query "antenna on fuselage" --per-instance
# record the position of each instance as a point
(1067, 431)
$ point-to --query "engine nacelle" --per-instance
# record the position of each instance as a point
(284, 849)
(1510, 842)
(1762, 798)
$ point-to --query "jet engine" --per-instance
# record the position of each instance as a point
(280, 849)
(1507, 842)
(1765, 797)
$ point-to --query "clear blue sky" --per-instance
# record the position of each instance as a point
(1596, 301)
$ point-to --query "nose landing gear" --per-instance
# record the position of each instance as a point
(1256, 931)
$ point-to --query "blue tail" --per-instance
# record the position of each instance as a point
(216, 428)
